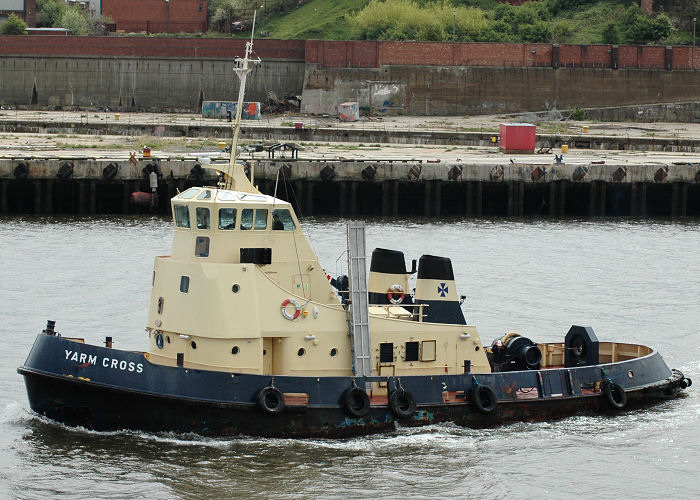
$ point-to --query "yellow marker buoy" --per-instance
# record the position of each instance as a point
(585, 129)
(564, 148)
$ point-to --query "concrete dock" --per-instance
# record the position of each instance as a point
(56, 170)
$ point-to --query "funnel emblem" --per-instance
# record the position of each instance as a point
(443, 289)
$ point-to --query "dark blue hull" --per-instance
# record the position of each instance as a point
(107, 389)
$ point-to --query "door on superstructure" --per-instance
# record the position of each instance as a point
(267, 355)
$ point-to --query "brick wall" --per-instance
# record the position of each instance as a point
(333, 54)
(157, 16)
(363, 54)
(374, 54)
(218, 48)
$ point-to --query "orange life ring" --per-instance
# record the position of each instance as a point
(396, 290)
(297, 309)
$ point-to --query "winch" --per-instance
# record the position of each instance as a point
(514, 352)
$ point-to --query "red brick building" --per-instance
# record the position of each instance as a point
(157, 16)
(24, 9)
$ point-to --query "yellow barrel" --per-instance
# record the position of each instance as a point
(116, 117)
(585, 129)
(222, 145)
(564, 148)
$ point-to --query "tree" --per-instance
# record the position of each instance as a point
(13, 26)
(75, 20)
(50, 12)
(221, 13)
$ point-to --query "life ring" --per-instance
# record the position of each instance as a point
(297, 309)
(355, 402)
(617, 397)
(484, 398)
(159, 340)
(270, 400)
(396, 290)
(402, 403)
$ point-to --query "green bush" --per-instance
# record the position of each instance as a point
(13, 26)
(408, 20)
(562, 31)
(578, 114)
(611, 34)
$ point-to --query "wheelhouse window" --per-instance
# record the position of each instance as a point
(227, 218)
(190, 193)
(282, 220)
(202, 218)
(201, 247)
(204, 195)
(247, 219)
(260, 219)
(182, 216)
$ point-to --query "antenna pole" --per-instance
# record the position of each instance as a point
(241, 69)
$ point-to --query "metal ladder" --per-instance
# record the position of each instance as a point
(359, 301)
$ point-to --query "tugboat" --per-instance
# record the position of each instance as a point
(248, 335)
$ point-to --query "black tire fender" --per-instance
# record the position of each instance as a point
(402, 403)
(484, 398)
(355, 402)
(617, 397)
(270, 400)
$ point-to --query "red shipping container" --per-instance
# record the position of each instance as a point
(517, 137)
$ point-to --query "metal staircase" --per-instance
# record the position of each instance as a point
(358, 308)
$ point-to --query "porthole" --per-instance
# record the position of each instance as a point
(235, 288)
(264, 352)
(193, 344)
(184, 284)
(167, 339)
(160, 305)
(334, 351)
(630, 374)
(235, 350)
(476, 348)
(301, 351)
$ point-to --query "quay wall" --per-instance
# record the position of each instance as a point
(169, 74)
(455, 90)
(135, 82)
(367, 188)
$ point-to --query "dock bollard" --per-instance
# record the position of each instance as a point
(108, 342)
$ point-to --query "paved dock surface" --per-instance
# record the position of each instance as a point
(118, 147)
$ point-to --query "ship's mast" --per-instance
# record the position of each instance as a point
(241, 69)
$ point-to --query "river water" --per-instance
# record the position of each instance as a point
(633, 281)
